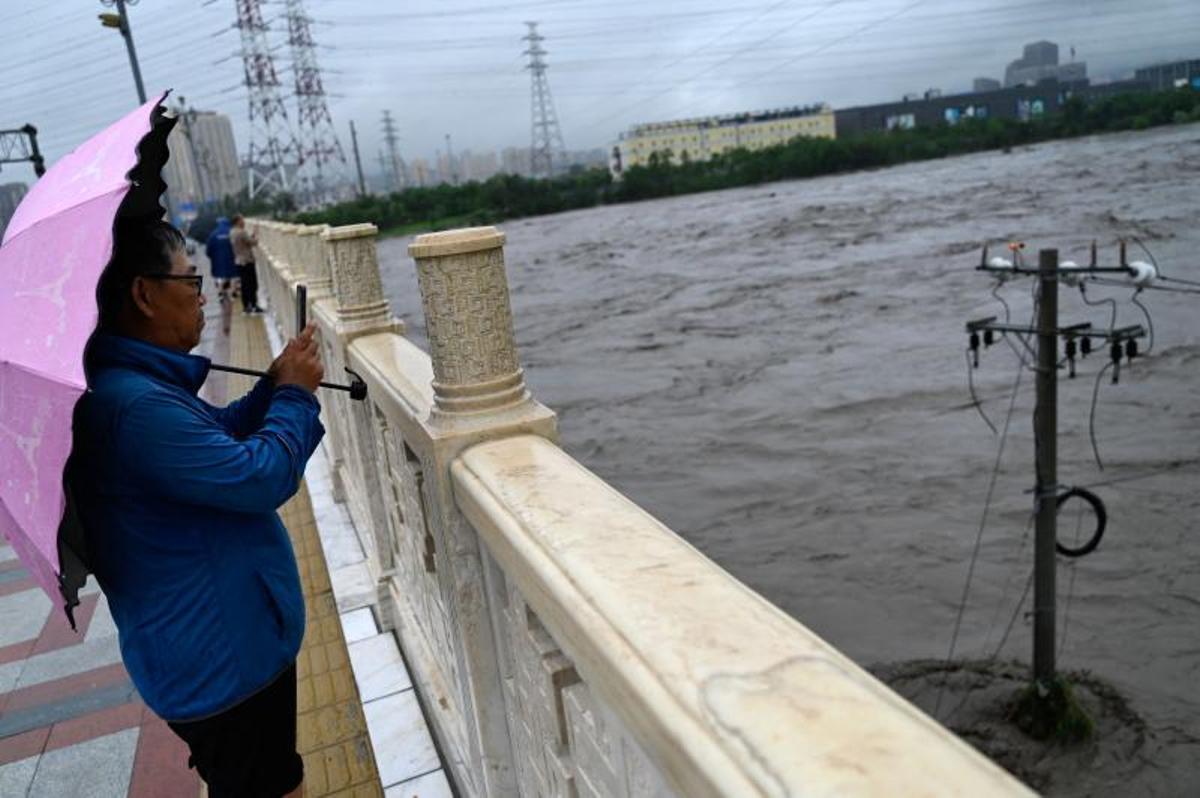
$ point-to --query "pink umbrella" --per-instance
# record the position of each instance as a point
(57, 244)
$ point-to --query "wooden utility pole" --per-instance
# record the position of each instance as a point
(1046, 454)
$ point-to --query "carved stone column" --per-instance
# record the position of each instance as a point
(320, 283)
(479, 394)
(354, 272)
(304, 266)
(290, 255)
(464, 292)
(356, 308)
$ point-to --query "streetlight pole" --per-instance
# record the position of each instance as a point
(120, 21)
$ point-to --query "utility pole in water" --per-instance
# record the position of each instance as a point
(120, 21)
(1046, 456)
(1046, 708)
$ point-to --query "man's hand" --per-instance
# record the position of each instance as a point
(299, 363)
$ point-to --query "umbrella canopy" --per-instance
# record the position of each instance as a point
(55, 248)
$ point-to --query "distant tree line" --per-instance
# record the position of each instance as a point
(510, 196)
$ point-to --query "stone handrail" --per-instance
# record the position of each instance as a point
(563, 641)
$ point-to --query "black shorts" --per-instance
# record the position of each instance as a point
(249, 749)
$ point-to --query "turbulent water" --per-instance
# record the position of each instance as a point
(778, 374)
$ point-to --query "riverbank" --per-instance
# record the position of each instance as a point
(506, 196)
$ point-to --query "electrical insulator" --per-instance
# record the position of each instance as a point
(1131, 349)
(1085, 346)
(1114, 353)
(1071, 349)
(975, 348)
(989, 337)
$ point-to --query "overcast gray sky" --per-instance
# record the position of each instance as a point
(455, 66)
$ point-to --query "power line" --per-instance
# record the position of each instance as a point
(822, 48)
(987, 505)
(753, 45)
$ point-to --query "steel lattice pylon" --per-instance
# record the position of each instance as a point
(274, 155)
(546, 149)
(325, 164)
(395, 164)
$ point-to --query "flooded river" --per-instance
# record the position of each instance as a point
(778, 374)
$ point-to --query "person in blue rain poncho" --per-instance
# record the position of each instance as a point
(219, 248)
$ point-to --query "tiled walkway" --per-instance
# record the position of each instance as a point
(71, 723)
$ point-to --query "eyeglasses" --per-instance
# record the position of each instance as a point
(196, 279)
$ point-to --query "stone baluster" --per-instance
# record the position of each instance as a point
(268, 257)
(356, 308)
(354, 266)
(320, 282)
(464, 293)
(479, 395)
(305, 264)
(277, 245)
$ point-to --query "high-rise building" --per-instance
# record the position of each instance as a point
(11, 195)
(1040, 62)
(420, 172)
(515, 161)
(203, 166)
(985, 84)
(1041, 53)
(478, 165)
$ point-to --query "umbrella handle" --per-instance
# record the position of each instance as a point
(357, 387)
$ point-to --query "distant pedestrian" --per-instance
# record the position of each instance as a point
(244, 243)
(220, 257)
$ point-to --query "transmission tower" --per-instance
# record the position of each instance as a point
(274, 155)
(546, 149)
(396, 166)
(324, 159)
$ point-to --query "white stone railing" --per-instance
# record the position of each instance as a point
(563, 641)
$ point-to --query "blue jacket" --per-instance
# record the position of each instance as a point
(219, 249)
(178, 499)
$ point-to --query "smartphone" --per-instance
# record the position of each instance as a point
(301, 308)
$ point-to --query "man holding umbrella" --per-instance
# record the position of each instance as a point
(109, 460)
(178, 499)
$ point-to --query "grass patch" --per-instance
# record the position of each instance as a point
(1051, 712)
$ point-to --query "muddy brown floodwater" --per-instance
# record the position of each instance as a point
(778, 374)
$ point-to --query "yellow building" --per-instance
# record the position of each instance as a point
(700, 139)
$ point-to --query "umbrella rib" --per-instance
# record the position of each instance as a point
(45, 375)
